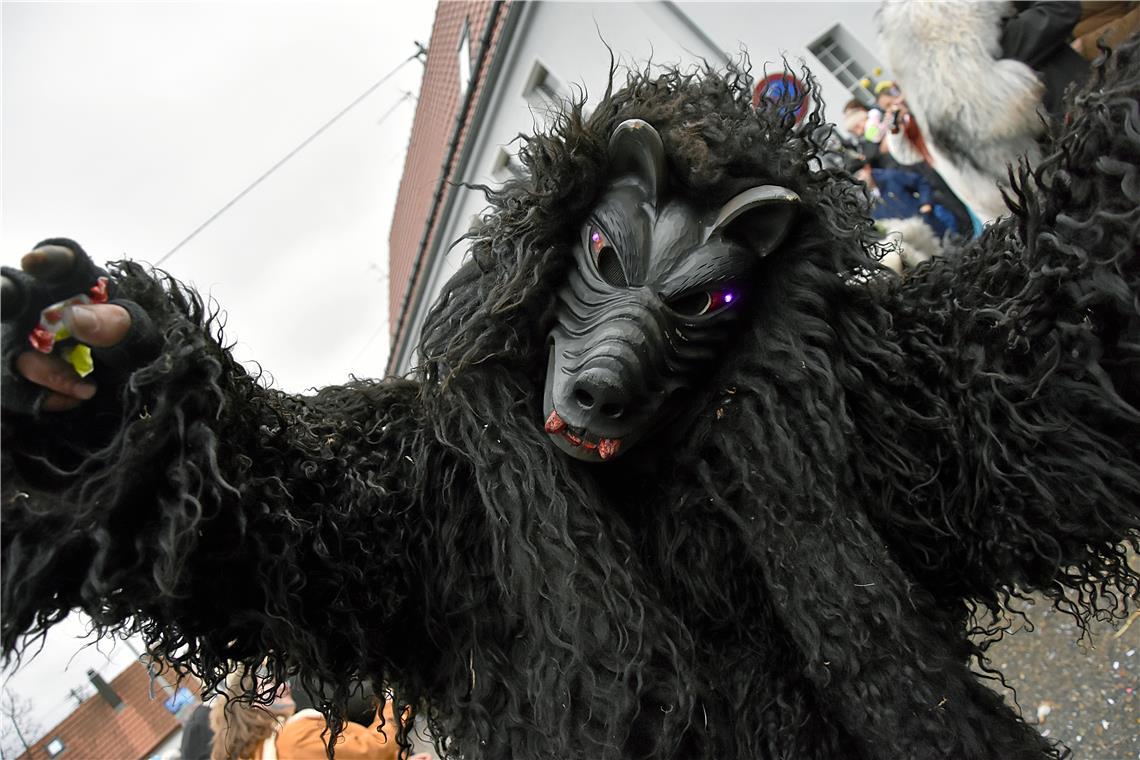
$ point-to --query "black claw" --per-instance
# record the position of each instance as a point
(49, 262)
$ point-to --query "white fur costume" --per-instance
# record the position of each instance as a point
(978, 111)
(908, 242)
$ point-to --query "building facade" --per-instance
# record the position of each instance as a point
(132, 717)
(493, 68)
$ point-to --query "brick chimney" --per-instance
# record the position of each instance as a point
(104, 689)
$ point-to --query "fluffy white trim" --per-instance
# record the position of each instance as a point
(978, 112)
(909, 242)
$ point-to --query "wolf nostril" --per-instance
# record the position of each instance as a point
(613, 410)
(584, 398)
(598, 397)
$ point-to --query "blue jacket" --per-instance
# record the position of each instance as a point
(901, 193)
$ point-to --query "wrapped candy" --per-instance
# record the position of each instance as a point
(51, 329)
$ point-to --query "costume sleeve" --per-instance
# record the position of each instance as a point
(1016, 455)
(1038, 30)
(223, 519)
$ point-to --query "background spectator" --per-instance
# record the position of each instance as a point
(1038, 34)
(856, 120)
(369, 734)
(1104, 21)
(901, 193)
(244, 731)
(197, 736)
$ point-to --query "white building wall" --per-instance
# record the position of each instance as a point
(570, 40)
(769, 30)
(170, 749)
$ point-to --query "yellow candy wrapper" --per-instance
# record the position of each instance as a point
(79, 357)
(52, 329)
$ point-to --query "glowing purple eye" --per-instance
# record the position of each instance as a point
(702, 302)
(718, 299)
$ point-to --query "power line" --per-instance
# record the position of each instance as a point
(415, 56)
(403, 99)
(376, 334)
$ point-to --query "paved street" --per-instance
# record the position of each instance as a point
(1083, 693)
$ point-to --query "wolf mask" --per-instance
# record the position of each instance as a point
(655, 289)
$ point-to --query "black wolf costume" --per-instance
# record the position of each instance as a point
(813, 472)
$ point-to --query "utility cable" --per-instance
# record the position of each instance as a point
(384, 325)
(290, 154)
(403, 99)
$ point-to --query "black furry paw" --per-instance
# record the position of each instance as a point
(60, 320)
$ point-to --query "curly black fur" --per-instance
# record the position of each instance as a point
(789, 575)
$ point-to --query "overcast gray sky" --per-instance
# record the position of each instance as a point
(125, 126)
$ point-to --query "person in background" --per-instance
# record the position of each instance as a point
(888, 97)
(197, 736)
(1105, 21)
(244, 731)
(864, 125)
(877, 152)
(1038, 34)
(859, 121)
(901, 193)
(901, 134)
(369, 734)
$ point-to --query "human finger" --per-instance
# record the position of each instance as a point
(53, 373)
(49, 262)
(97, 325)
(57, 402)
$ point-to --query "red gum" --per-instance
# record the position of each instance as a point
(606, 447)
(41, 340)
(554, 423)
(98, 291)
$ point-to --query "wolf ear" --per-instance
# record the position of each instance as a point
(636, 149)
(760, 217)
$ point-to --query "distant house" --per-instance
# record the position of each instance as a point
(460, 52)
(122, 721)
(494, 69)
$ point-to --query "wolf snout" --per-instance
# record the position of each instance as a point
(599, 395)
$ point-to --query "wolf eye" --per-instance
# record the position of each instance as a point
(702, 302)
(607, 259)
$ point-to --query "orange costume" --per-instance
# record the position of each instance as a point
(300, 738)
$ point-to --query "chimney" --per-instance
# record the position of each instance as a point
(104, 689)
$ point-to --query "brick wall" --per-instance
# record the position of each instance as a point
(437, 111)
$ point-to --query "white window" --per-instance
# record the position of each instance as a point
(464, 57)
(847, 59)
(55, 747)
(506, 166)
(541, 85)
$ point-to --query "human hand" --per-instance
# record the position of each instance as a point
(925, 208)
(36, 377)
(892, 120)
